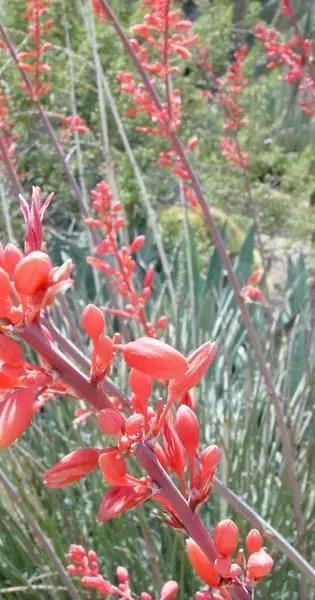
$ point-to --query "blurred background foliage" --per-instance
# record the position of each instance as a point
(234, 409)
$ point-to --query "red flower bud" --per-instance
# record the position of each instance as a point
(169, 590)
(226, 537)
(223, 566)
(10, 258)
(154, 358)
(141, 385)
(134, 425)
(201, 564)
(162, 322)
(198, 364)
(92, 321)
(210, 458)
(109, 421)
(137, 243)
(16, 411)
(113, 467)
(187, 427)
(122, 574)
(254, 541)
(71, 467)
(259, 564)
(31, 274)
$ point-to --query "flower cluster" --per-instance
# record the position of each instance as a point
(86, 565)
(294, 55)
(166, 39)
(120, 266)
(230, 89)
(33, 61)
(248, 571)
(72, 124)
(251, 291)
(28, 281)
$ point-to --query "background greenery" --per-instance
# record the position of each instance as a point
(233, 407)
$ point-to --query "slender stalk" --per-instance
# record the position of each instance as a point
(39, 535)
(219, 243)
(96, 397)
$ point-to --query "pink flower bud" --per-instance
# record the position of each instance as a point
(10, 258)
(31, 274)
(226, 537)
(92, 321)
(254, 541)
(113, 467)
(201, 564)
(122, 574)
(109, 421)
(154, 358)
(71, 467)
(169, 590)
(187, 427)
(259, 564)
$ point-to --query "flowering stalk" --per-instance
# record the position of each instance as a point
(219, 243)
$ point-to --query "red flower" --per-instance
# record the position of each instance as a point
(226, 537)
(121, 498)
(71, 467)
(16, 412)
(259, 564)
(201, 564)
(154, 358)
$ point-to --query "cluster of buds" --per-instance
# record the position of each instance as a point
(170, 428)
(28, 281)
(85, 564)
(247, 567)
(121, 266)
(251, 291)
(32, 61)
(295, 55)
(72, 124)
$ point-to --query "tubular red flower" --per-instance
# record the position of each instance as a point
(187, 428)
(226, 537)
(169, 590)
(92, 321)
(254, 541)
(201, 564)
(71, 467)
(121, 498)
(113, 467)
(154, 358)
(16, 412)
(110, 421)
(198, 364)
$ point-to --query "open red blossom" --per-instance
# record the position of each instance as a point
(121, 498)
(16, 412)
(154, 358)
(71, 467)
(201, 564)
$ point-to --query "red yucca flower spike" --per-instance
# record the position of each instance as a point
(71, 467)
